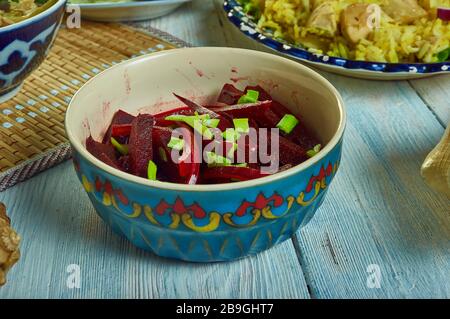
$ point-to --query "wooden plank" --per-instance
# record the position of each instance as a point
(59, 227)
(195, 22)
(435, 93)
(379, 211)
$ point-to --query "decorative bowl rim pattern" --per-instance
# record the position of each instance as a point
(336, 139)
(235, 14)
(33, 19)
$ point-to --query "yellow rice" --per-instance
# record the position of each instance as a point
(392, 42)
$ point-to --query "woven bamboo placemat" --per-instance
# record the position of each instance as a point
(32, 136)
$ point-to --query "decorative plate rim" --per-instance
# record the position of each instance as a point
(235, 14)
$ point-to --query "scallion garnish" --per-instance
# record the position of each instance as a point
(213, 123)
(287, 123)
(231, 134)
(194, 121)
(214, 159)
(151, 171)
(250, 97)
(313, 152)
(122, 148)
(176, 143)
(241, 125)
(443, 55)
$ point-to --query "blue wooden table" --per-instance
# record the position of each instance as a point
(381, 232)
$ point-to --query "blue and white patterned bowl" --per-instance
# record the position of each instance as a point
(205, 222)
(23, 47)
(360, 69)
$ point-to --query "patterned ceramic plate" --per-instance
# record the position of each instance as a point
(361, 69)
(128, 11)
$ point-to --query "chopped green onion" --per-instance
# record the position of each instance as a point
(231, 134)
(241, 125)
(314, 150)
(213, 123)
(214, 159)
(176, 143)
(151, 170)
(287, 123)
(251, 8)
(443, 55)
(122, 148)
(250, 97)
(162, 154)
(194, 121)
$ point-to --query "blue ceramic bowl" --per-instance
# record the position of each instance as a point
(23, 47)
(204, 223)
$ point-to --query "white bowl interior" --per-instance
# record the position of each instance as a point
(146, 84)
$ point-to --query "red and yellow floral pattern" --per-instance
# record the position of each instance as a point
(194, 217)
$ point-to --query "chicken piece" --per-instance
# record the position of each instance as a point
(357, 21)
(403, 11)
(9, 245)
(323, 18)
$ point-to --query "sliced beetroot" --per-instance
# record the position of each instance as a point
(290, 153)
(253, 123)
(189, 169)
(231, 173)
(120, 117)
(96, 149)
(167, 169)
(194, 107)
(108, 161)
(267, 118)
(124, 163)
(120, 130)
(299, 135)
(303, 137)
(229, 94)
(244, 110)
(263, 95)
(148, 137)
(197, 107)
(160, 117)
(179, 110)
(280, 109)
(140, 144)
(103, 152)
(186, 171)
